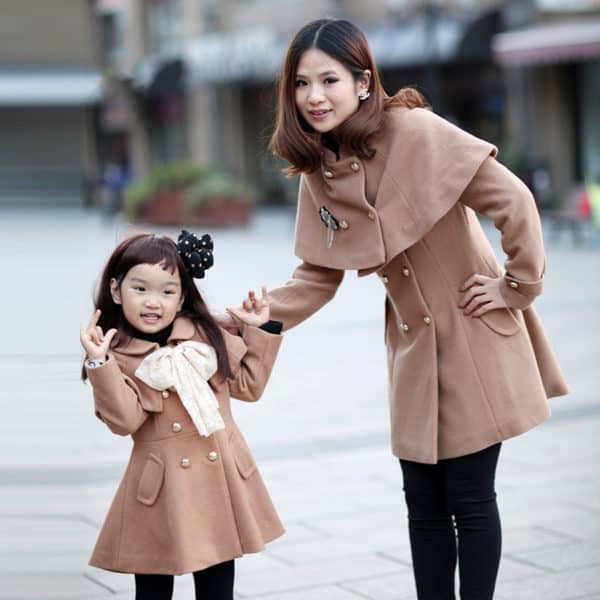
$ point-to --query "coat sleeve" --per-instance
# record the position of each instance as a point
(251, 357)
(497, 193)
(116, 398)
(309, 289)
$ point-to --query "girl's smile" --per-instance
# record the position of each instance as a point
(150, 296)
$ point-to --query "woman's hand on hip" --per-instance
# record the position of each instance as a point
(480, 294)
(94, 341)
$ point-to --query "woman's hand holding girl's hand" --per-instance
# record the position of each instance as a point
(254, 311)
(481, 294)
(94, 341)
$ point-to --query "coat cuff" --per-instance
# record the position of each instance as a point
(520, 294)
(274, 327)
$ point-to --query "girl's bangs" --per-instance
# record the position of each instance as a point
(149, 249)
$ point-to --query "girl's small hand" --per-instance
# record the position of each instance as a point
(255, 311)
(482, 294)
(94, 341)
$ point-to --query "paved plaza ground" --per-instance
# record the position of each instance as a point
(320, 433)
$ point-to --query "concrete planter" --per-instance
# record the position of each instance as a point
(168, 207)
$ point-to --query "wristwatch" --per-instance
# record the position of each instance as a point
(92, 363)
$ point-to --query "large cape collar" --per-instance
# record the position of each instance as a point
(423, 164)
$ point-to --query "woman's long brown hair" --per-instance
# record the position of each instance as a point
(147, 248)
(293, 139)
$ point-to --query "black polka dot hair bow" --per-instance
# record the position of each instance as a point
(196, 253)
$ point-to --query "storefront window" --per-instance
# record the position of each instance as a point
(163, 26)
(590, 121)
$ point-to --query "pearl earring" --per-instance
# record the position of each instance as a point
(363, 95)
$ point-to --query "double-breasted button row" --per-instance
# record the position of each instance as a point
(176, 427)
(354, 166)
(186, 463)
(165, 394)
(406, 327)
(514, 285)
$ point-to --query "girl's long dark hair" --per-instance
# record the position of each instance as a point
(147, 248)
(293, 139)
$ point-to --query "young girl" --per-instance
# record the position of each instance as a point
(388, 187)
(162, 370)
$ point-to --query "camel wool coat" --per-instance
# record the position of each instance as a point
(457, 384)
(186, 502)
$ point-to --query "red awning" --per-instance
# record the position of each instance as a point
(569, 41)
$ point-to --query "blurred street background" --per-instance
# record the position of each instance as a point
(118, 115)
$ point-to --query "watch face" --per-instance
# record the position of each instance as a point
(328, 219)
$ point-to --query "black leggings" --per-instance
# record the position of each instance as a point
(462, 488)
(214, 583)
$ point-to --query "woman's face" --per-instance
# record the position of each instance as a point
(326, 91)
(150, 295)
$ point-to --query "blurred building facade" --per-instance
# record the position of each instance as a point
(49, 86)
(550, 54)
(195, 79)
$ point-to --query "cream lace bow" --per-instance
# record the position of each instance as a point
(186, 367)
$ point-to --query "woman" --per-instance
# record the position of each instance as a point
(387, 187)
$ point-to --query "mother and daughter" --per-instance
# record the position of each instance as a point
(386, 187)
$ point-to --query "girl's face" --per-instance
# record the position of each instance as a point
(150, 296)
(326, 91)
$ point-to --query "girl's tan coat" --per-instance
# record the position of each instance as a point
(186, 502)
(457, 384)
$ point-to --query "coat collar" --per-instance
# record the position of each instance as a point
(183, 329)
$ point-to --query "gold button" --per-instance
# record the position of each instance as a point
(405, 272)
(514, 284)
(328, 174)
(355, 166)
(427, 320)
(371, 216)
(212, 455)
(404, 326)
(176, 427)
(165, 394)
(344, 224)
(385, 279)
(186, 463)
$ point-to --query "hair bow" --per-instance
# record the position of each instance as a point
(196, 253)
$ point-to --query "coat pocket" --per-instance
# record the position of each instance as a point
(243, 457)
(151, 480)
(502, 321)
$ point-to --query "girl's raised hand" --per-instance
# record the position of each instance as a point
(94, 341)
(255, 311)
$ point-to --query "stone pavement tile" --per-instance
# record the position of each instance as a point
(328, 592)
(397, 586)
(50, 586)
(298, 532)
(318, 573)
(517, 539)
(566, 585)
(45, 534)
(580, 524)
(512, 569)
(115, 582)
(363, 524)
(565, 557)
(261, 561)
(88, 502)
(338, 546)
(517, 511)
